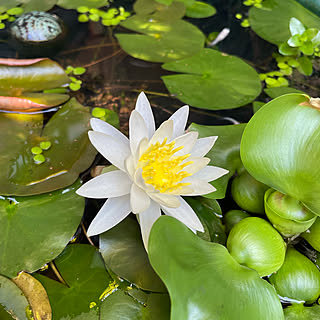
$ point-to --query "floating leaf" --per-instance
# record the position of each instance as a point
(204, 281)
(12, 301)
(42, 74)
(160, 41)
(83, 270)
(312, 5)
(212, 80)
(36, 229)
(32, 101)
(279, 91)
(150, 9)
(38, 5)
(74, 4)
(123, 252)
(121, 306)
(280, 148)
(71, 151)
(271, 22)
(208, 211)
(225, 152)
(36, 295)
(200, 10)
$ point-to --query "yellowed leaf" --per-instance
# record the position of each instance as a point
(36, 295)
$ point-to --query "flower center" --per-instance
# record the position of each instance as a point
(162, 169)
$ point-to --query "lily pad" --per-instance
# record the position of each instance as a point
(74, 4)
(279, 91)
(13, 303)
(36, 295)
(38, 76)
(123, 252)
(151, 9)
(83, 270)
(212, 80)
(38, 5)
(271, 22)
(32, 101)
(160, 41)
(71, 151)
(36, 229)
(200, 9)
(209, 213)
(120, 305)
(225, 152)
(204, 281)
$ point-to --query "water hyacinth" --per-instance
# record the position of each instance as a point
(155, 168)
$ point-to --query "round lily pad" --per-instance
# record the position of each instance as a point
(212, 80)
(36, 229)
(160, 41)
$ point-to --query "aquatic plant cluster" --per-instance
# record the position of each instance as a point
(170, 221)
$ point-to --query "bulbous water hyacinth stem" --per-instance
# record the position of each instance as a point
(288, 215)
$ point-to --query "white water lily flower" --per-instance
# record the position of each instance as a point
(155, 167)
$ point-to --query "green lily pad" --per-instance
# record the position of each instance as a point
(300, 312)
(120, 305)
(160, 41)
(279, 91)
(71, 151)
(312, 5)
(225, 152)
(13, 303)
(200, 10)
(36, 229)
(271, 22)
(150, 9)
(83, 270)
(41, 75)
(212, 80)
(209, 213)
(204, 281)
(74, 4)
(38, 5)
(8, 4)
(123, 252)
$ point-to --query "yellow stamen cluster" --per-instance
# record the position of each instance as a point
(162, 169)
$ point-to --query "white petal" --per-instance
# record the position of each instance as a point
(210, 173)
(114, 150)
(108, 185)
(143, 107)
(139, 181)
(179, 118)
(139, 200)
(198, 186)
(112, 212)
(147, 219)
(167, 200)
(188, 141)
(203, 146)
(137, 130)
(106, 128)
(185, 214)
(196, 165)
(130, 166)
(164, 131)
